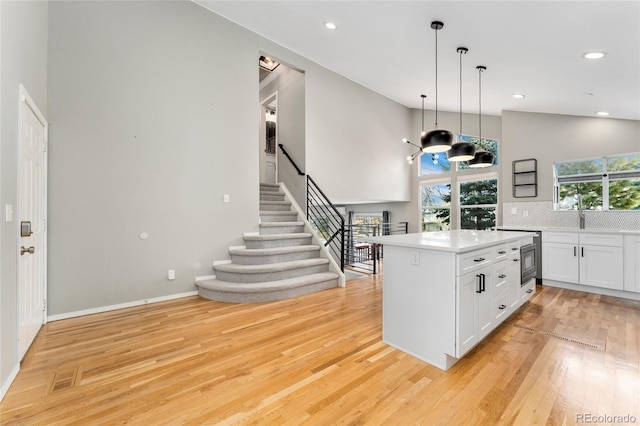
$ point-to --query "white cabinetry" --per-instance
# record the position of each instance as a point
(488, 284)
(593, 259)
(632, 263)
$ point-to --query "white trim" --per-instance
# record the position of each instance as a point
(7, 384)
(220, 262)
(250, 234)
(121, 306)
(237, 247)
(205, 278)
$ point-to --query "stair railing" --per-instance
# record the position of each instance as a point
(362, 256)
(326, 219)
(323, 216)
(340, 240)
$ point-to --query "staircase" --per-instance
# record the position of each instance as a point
(280, 262)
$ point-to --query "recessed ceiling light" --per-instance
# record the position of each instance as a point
(330, 25)
(602, 113)
(518, 96)
(594, 55)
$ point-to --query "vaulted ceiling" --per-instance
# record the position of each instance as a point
(530, 47)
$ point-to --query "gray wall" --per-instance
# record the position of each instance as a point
(352, 149)
(549, 138)
(152, 119)
(23, 27)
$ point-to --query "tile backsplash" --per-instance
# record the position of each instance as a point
(541, 213)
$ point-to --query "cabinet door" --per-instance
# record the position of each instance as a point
(632, 263)
(483, 303)
(513, 275)
(601, 266)
(466, 334)
(560, 262)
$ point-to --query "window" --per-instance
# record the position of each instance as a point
(478, 203)
(434, 163)
(435, 202)
(458, 196)
(605, 183)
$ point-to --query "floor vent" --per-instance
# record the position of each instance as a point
(559, 336)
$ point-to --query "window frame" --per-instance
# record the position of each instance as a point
(605, 177)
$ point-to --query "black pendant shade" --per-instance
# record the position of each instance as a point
(461, 151)
(437, 140)
(482, 159)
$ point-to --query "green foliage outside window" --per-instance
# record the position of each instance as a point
(588, 177)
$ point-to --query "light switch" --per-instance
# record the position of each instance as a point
(525, 213)
(225, 198)
(514, 210)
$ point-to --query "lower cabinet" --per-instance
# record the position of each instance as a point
(474, 310)
(632, 263)
(485, 297)
(590, 259)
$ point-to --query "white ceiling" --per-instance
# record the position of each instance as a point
(530, 47)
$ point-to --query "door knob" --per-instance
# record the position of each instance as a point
(24, 250)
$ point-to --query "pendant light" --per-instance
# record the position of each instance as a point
(413, 156)
(436, 140)
(482, 158)
(461, 150)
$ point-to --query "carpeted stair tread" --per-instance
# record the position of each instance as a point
(270, 267)
(277, 224)
(277, 236)
(272, 251)
(285, 284)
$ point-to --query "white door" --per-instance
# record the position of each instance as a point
(32, 214)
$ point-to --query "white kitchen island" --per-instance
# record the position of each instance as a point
(445, 291)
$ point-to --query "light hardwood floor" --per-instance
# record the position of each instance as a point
(319, 360)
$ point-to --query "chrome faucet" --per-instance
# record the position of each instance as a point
(580, 211)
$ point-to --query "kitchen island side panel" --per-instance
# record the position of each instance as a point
(418, 314)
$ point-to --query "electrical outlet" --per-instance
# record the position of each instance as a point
(171, 274)
(525, 213)
(415, 258)
(225, 198)
(514, 210)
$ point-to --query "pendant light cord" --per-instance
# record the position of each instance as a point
(459, 50)
(436, 78)
(480, 103)
(423, 96)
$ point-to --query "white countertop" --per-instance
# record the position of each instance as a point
(457, 241)
(567, 229)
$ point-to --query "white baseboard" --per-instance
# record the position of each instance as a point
(10, 379)
(251, 234)
(120, 306)
(205, 278)
(220, 262)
